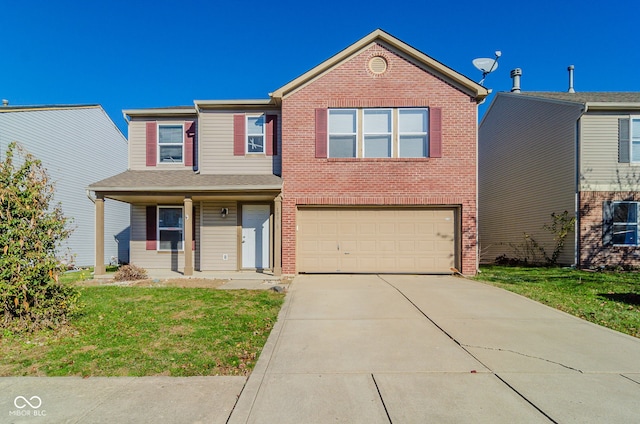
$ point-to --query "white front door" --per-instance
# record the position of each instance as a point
(255, 236)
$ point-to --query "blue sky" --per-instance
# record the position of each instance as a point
(137, 54)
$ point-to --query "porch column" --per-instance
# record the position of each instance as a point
(188, 236)
(99, 268)
(277, 235)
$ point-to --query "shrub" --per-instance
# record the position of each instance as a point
(130, 273)
(31, 230)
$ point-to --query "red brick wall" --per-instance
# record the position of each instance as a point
(450, 180)
(592, 252)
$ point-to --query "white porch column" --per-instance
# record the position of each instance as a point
(188, 236)
(99, 268)
(277, 235)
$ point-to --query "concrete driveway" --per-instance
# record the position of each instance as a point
(417, 349)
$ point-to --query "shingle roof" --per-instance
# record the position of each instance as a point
(185, 180)
(587, 97)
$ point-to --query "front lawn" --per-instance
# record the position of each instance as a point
(136, 331)
(611, 299)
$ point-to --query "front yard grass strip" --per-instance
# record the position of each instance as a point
(610, 299)
(136, 331)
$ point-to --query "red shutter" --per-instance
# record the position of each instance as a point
(321, 133)
(435, 132)
(239, 137)
(271, 135)
(151, 228)
(189, 137)
(152, 140)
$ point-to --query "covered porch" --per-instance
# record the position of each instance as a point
(182, 221)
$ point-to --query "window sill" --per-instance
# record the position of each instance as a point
(378, 159)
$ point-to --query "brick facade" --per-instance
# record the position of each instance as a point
(593, 253)
(449, 180)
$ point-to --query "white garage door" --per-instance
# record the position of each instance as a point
(376, 240)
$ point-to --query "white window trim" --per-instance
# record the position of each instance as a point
(169, 124)
(395, 132)
(247, 135)
(164, 228)
(421, 134)
(365, 134)
(632, 138)
(637, 223)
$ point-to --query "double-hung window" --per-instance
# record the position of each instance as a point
(625, 223)
(342, 133)
(170, 228)
(255, 134)
(413, 127)
(170, 143)
(377, 133)
(635, 139)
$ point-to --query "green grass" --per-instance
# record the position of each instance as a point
(610, 299)
(83, 274)
(134, 331)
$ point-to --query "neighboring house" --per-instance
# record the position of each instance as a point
(366, 163)
(549, 152)
(77, 145)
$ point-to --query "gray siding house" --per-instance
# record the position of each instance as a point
(77, 145)
(549, 152)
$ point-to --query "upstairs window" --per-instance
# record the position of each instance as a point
(255, 134)
(413, 127)
(170, 143)
(342, 133)
(377, 133)
(629, 140)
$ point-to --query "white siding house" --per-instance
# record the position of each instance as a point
(77, 145)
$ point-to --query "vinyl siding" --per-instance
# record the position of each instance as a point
(219, 236)
(527, 170)
(138, 145)
(78, 146)
(149, 259)
(216, 148)
(600, 170)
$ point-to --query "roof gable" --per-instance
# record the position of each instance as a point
(378, 36)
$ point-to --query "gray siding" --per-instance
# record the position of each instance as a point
(600, 170)
(78, 146)
(216, 148)
(527, 170)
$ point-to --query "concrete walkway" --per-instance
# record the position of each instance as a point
(379, 349)
(418, 349)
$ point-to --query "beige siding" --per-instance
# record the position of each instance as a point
(527, 170)
(600, 170)
(216, 148)
(138, 145)
(219, 237)
(149, 259)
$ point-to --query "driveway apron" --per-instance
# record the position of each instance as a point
(416, 349)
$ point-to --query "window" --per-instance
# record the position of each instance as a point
(635, 139)
(255, 134)
(170, 143)
(170, 228)
(377, 133)
(413, 125)
(625, 223)
(342, 133)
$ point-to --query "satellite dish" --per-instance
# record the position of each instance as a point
(486, 65)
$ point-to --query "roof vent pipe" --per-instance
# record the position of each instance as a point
(516, 74)
(5, 102)
(570, 69)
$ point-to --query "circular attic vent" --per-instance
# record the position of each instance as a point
(378, 65)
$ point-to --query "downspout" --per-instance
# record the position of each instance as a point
(578, 203)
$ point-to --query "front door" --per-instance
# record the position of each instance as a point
(255, 236)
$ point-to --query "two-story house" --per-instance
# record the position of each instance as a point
(366, 163)
(550, 152)
(69, 140)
